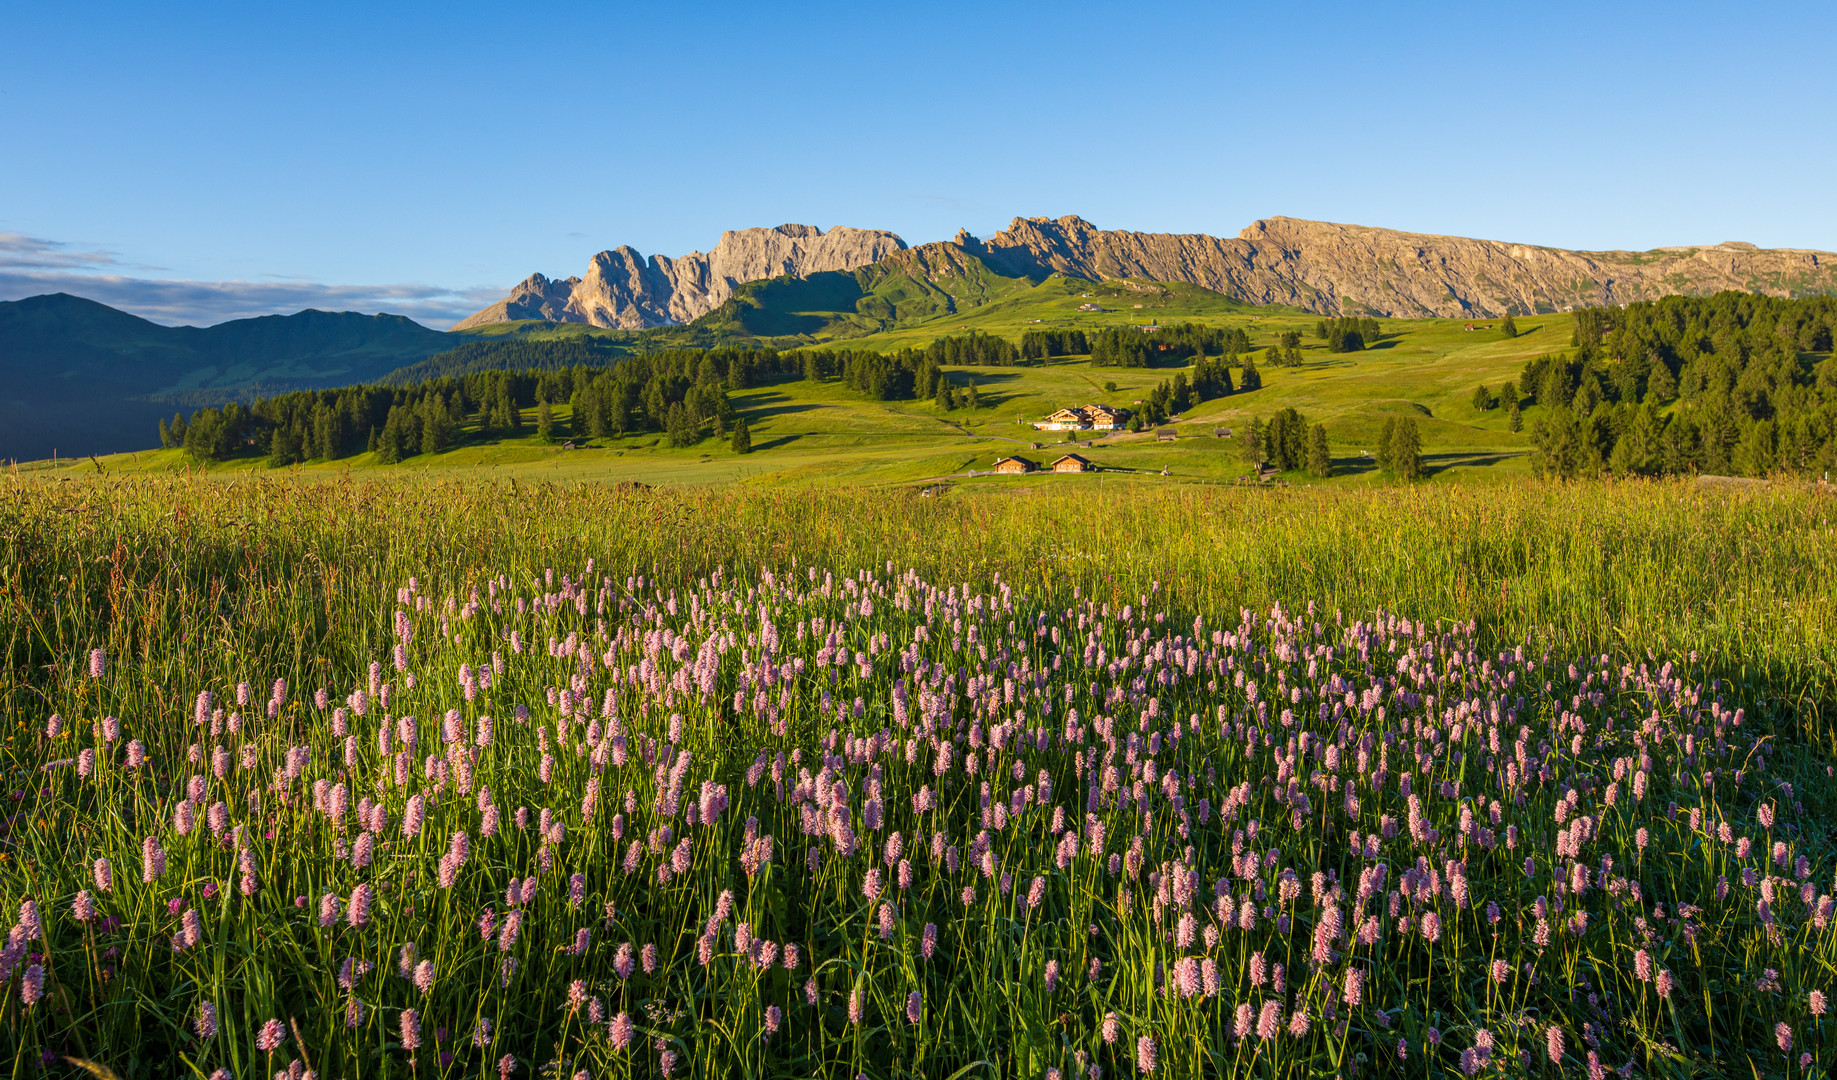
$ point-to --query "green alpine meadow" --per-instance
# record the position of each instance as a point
(719, 541)
(404, 775)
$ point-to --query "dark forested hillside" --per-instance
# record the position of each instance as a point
(1727, 384)
(81, 377)
(680, 392)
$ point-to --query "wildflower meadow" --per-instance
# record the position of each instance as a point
(408, 779)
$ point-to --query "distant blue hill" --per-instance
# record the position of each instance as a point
(78, 377)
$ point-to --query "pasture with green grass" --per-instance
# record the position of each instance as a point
(1424, 369)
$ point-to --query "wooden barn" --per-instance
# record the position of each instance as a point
(1167, 434)
(1073, 463)
(1014, 466)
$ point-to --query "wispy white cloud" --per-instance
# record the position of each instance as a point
(30, 266)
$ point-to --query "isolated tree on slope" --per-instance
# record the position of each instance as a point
(1401, 451)
(1320, 458)
(1252, 448)
(743, 438)
(1251, 379)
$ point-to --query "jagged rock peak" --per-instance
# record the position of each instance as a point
(623, 289)
(1335, 268)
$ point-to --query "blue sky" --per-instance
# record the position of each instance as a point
(198, 162)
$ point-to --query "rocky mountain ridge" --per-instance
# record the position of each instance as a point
(1355, 269)
(623, 289)
(1320, 266)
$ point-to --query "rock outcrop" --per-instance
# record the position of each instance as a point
(625, 290)
(1355, 269)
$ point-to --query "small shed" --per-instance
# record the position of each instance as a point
(1014, 466)
(1073, 463)
(1221, 433)
(1167, 434)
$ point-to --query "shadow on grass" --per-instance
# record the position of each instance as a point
(1437, 463)
(760, 412)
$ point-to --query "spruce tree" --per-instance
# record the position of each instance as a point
(281, 449)
(1320, 458)
(743, 438)
(1252, 448)
(1662, 385)
(389, 443)
(436, 425)
(971, 398)
(1406, 450)
(1514, 420)
(1251, 379)
(545, 422)
(1508, 328)
(680, 425)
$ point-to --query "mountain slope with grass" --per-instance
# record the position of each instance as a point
(1324, 267)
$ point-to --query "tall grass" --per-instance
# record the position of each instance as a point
(1556, 671)
(291, 575)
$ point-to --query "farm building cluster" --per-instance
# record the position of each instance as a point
(1014, 466)
(1086, 418)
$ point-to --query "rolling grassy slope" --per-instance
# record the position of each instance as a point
(827, 433)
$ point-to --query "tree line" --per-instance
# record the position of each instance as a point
(1129, 346)
(681, 392)
(1347, 333)
(1040, 344)
(1211, 379)
(1288, 442)
(905, 375)
(511, 354)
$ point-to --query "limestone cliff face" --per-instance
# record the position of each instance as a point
(536, 297)
(1316, 265)
(625, 290)
(1355, 269)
